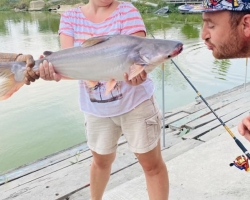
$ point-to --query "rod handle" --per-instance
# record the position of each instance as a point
(242, 147)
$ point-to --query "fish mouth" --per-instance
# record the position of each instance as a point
(177, 51)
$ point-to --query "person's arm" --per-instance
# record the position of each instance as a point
(66, 41)
(140, 78)
(244, 127)
(8, 57)
(134, 27)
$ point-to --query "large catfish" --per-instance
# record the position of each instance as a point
(104, 58)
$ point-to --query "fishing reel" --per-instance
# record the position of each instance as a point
(241, 162)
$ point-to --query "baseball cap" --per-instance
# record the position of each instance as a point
(219, 5)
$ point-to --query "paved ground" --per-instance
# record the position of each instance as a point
(201, 173)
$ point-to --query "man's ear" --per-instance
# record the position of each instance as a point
(246, 25)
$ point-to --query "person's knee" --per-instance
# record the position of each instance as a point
(103, 161)
(153, 168)
(152, 162)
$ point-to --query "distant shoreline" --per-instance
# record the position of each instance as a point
(61, 6)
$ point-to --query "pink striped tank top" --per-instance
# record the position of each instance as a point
(124, 20)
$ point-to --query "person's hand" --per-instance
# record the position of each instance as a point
(47, 72)
(26, 58)
(30, 75)
(29, 64)
(140, 78)
(244, 127)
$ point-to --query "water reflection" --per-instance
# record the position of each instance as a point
(44, 21)
(49, 22)
(221, 68)
(29, 32)
(155, 23)
(172, 77)
(190, 31)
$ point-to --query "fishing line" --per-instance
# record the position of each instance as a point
(163, 101)
(240, 145)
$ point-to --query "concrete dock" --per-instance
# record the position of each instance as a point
(198, 152)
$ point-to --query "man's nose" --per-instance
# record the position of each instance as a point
(204, 33)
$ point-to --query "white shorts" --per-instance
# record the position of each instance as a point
(141, 128)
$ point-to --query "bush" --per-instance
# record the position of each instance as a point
(11, 4)
(5, 8)
(143, 8)
(150, 9)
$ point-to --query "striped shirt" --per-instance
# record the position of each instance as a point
(124, 20)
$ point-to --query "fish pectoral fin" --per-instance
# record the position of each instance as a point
(91, 84)
(110, 86)
(95, 40)
(134, 70)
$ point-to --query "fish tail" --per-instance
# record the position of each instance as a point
(11, 78)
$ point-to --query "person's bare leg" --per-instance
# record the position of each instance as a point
(99, 174)
(156, 173)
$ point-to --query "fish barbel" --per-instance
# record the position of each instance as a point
(104, 58)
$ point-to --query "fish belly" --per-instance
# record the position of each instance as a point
(92, 67)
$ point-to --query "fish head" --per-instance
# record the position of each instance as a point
(156, 51)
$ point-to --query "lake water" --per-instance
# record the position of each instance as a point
(44, 118)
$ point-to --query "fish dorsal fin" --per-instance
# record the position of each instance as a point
(47, 53)
(95, 40)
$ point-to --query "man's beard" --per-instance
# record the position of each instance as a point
(234, 47)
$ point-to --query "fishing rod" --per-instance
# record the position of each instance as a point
(240, 145)
(240, 162)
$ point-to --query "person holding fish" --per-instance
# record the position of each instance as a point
(129, 109)
(226, 31)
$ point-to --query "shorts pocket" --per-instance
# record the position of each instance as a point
(153, 127)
